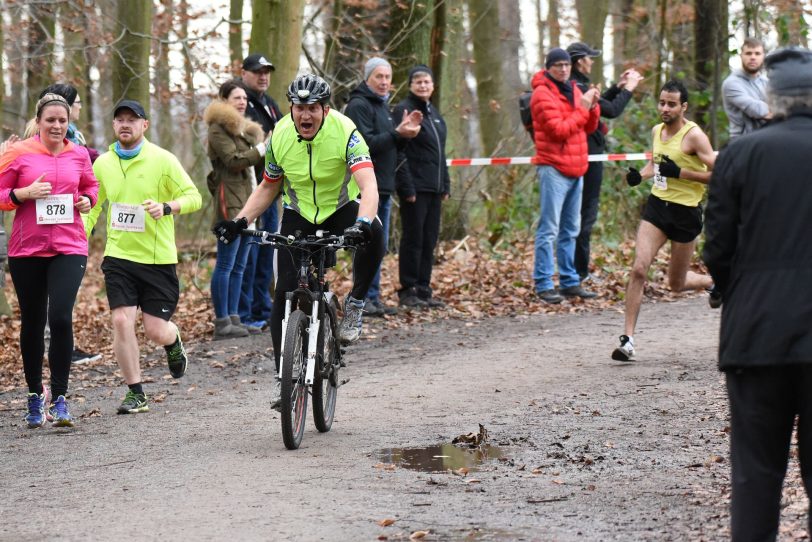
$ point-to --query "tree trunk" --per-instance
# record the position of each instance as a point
(711, 54)
(790, 24)
(275, 25)
(235, 35)
(41, 32)
(554, 26)
(661, 44)
(131, 52)
(592, 19)
(541, 29)
(162, 23)
(621, 11)
(410, 40)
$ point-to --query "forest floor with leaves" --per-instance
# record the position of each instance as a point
(577, 446)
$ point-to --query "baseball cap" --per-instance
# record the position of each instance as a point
(580, 50)
(133, 106)
(255, 62)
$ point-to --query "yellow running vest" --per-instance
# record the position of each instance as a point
(688, 193)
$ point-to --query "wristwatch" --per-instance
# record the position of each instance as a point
(363, 219)
(167, 209)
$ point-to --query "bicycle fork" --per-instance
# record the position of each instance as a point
(312, 338)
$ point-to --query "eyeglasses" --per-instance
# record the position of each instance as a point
(561, 65)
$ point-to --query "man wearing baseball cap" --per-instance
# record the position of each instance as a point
(144, 186)
(612, 103)
(255, 298)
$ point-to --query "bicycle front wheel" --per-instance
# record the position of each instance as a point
(294, 390)
(325, 379)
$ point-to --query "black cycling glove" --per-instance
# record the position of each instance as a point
(228, 230)
(668, 168)
(359, 233)
(633, 177)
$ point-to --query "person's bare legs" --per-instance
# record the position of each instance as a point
(650, 240)
(679, 278)
(160, 331)
(125, 344)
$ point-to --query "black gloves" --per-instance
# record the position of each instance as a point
(359, 233)
(668, 168)
(633, 177)
(228, 230)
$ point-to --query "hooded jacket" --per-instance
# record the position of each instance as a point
(421, 161)
(232, 149)
(560, 128)
(371, 115)
(69, 172)
(263, 110)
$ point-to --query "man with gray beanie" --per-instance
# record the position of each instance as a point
(369, 109)
(563, 115)
(758, 253)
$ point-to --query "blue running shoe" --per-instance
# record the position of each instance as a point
(59, 411)
(36, 409)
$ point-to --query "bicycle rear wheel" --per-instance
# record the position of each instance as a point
(294, 391)
(325, 379)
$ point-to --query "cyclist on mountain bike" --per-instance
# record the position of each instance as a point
(322, 164)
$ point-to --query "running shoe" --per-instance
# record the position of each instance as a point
(624, 352)
(176, 358)
(37, 413)
(60, 414)
(550, 296)
(133, 403)
(715, 297)
(79, 357)
(350, 329)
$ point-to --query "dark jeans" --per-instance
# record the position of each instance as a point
(420, 224)
(764, 402)
(255, 296)
(590, 199)
(384, 211)
(46, 288)
(364, 264)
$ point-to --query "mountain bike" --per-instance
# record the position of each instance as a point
(311, 353)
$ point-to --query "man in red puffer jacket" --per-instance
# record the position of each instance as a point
(562, 118)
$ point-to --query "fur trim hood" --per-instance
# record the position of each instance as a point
(219, 112)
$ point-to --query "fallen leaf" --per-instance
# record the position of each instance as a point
(386, 522)
(418, 535)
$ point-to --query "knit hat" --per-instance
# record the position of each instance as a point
(420, 68)
(373, 63)
(556, 54)
(789, 70)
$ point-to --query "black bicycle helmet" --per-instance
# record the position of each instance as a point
(309, 89)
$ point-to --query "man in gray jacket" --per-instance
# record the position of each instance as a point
(743, 92)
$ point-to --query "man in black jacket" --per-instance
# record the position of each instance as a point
(612, 103)
(369, 109)
(255, 298)
(758, 252)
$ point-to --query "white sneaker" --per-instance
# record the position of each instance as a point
(624, 352)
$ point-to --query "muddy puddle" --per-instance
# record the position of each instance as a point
(440, 457)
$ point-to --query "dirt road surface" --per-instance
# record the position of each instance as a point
(584, 448)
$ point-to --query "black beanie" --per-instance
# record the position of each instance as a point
(420, 68)
(556, 55)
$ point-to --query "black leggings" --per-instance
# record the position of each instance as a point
(364, 265)
(46, 291)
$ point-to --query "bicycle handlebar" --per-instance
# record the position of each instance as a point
(289, 241)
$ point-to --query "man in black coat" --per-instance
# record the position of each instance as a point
(758, 251)
(369, 109)
(612, 103)
(255, 298)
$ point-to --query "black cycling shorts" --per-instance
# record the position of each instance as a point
(679, 223)
(152, 287)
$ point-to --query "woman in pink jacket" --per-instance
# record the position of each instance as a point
(48, 181)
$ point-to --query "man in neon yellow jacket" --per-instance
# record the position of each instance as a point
(144, 185)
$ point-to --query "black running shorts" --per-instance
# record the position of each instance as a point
(680, 223)
(154, 288)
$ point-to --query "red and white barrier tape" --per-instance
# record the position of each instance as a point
(527, 160)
